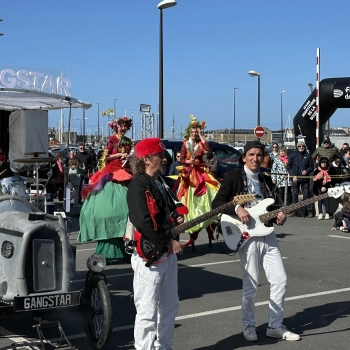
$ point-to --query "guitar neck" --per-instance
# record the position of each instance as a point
(272, 214)
(183, 227)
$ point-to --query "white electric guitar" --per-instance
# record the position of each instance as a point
(236, 234)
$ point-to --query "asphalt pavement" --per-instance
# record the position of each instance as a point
(317, 303)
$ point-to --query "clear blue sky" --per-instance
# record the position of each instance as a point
(110, 49)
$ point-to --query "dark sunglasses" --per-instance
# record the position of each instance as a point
(300, 146)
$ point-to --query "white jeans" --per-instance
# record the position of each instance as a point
(265, 251)
(156, 301)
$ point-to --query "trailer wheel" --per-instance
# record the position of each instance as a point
(98, 313)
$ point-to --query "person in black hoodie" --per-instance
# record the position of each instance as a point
(300, 166)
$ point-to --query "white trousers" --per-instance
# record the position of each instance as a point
(156, 301)
(265, 251)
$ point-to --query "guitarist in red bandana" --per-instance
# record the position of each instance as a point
(155, 278)
(257, 251)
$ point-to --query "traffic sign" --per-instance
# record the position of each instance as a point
(259, 131)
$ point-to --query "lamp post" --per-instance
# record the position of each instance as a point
(162, 5)
(1, 33)
(282, 92)
(114, 107)
(114, 115)
(98, 122)
(84, 135)
(82, 125)
(132, 128)
(234, 116)
(253, 73)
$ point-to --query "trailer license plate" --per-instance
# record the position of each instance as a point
(46, 301)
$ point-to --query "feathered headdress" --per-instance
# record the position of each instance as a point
(122, 120)
(194, 123)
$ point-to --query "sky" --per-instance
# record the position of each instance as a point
(110, 49)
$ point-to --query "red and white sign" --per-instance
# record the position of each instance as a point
(259, 131)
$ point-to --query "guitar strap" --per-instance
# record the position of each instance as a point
(152, 207)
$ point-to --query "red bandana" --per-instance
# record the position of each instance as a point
(284, 159)
(322, 174)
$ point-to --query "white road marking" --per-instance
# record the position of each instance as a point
(80, 250)
(19, 340)
(335, 236)
(180, 267)
(227, 309)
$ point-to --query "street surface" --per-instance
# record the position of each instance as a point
(317, 303)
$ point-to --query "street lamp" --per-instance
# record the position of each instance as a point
(253, 73)
(282, 92)
(114, 107)
(162, 5)
(98, 122)
(132, 120)
(1, 33)
(234, 116)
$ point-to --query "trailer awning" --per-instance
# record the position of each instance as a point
(14, 99)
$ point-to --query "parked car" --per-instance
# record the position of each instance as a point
(227, 155)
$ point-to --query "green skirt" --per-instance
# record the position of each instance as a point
(103, 218)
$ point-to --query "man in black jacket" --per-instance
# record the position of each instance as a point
(300, 165)
(155, 286)
(84, 159)
(257, 250)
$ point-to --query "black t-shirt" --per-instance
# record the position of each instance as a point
(84, 161)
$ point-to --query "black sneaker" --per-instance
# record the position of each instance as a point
(310, 215)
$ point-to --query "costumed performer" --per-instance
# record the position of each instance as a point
(104, 214)
(197, 185)
(155, 285)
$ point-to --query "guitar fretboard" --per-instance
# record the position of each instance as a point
(183, 227)
(272, 214)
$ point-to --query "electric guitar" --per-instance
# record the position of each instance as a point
(236, 234)
(150, 253)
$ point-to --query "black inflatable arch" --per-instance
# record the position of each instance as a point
(334, 93)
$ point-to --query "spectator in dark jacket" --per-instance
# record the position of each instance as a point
(173, 170)
(84, 159)
(337, 171)
(300, 166)
(93, 167)
(210, 161)
(327, 150)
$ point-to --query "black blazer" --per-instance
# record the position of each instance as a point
(139, 213)
(233, 185)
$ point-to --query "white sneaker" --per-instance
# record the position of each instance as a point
(250, 333)
(320, 216)
(281, 333)
(327, 217)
